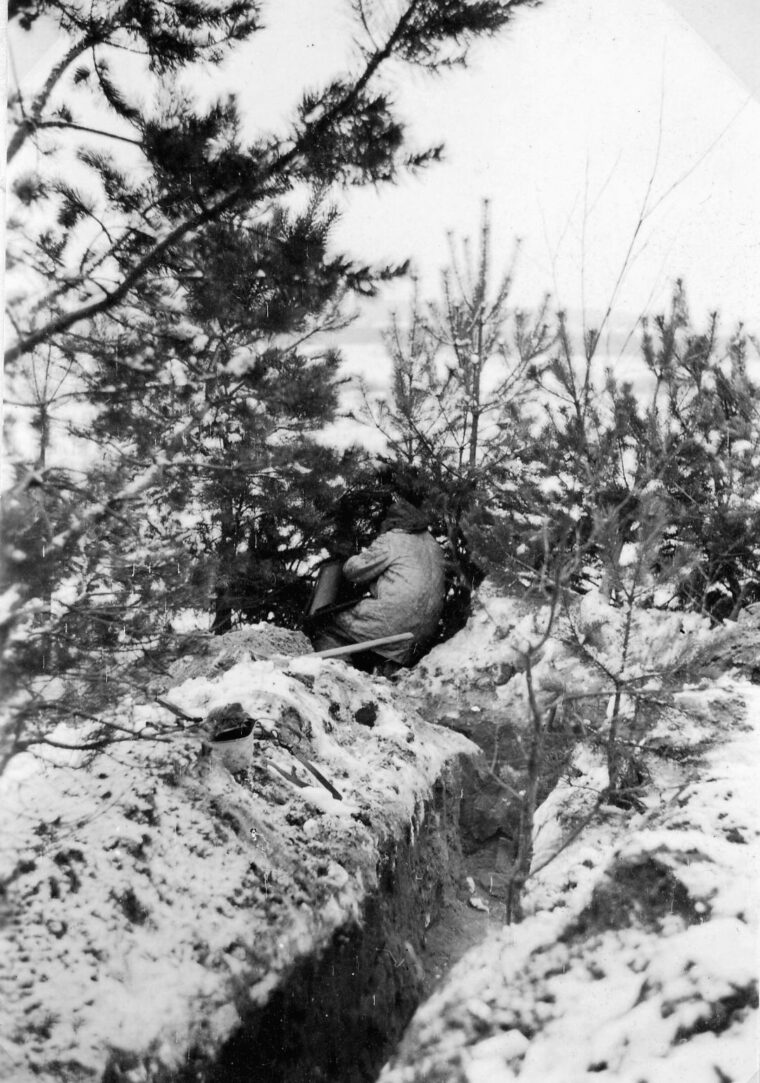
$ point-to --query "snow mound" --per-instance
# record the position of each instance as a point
(590, 640)
(151, 895)
(212, 654)
(637, 961)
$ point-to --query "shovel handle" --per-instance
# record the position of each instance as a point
(353, 648)
(175, 710)
(317, 774)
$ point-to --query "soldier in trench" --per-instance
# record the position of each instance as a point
(404, 571)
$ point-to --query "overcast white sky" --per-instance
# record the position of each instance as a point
(558, 123)
(732, 29)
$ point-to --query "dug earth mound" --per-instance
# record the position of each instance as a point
(170, 918)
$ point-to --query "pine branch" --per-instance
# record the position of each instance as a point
(32, 119)
(275, 174)
(71, 126)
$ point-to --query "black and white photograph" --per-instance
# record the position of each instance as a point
(380, 579)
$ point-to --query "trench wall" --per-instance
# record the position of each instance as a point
(337, 1016)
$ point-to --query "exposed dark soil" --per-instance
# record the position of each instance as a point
(459, 928)
(337, 1017)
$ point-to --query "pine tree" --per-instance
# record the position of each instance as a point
(457, 420)
(154, 256)
(648, 493)
(197, 170)
(233, 369)
(701, 440)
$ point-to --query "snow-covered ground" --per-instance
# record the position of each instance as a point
(151, 894)
(149, 890)
(637, 960)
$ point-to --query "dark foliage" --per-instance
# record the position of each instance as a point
(176, 320)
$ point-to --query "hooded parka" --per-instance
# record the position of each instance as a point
(404, 569)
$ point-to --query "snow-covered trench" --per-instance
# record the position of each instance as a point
(168, 919)
(637, 960)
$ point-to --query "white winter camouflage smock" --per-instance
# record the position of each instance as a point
(405, 574)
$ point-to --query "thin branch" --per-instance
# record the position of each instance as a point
(71, 126)
(240, 193)
(32, 118)
(570, 838)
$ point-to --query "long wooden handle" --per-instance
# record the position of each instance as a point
(368, 645)
(317, 774)
(175, 710)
